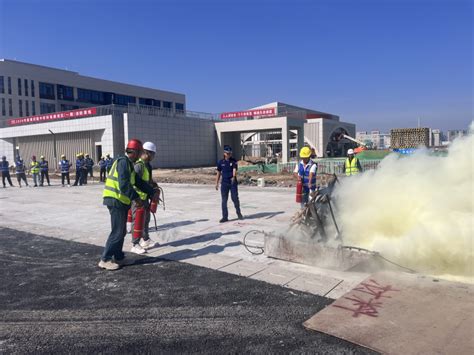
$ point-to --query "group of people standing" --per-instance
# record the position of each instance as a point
(40, 170)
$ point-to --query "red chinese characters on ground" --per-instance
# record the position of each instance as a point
(368, 307)
(53, 116)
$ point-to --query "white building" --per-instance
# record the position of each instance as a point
(374, 138)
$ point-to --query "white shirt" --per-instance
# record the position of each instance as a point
(312, 170)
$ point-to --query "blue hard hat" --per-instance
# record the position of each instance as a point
(227, 149)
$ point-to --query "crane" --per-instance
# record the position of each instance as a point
(362, 146)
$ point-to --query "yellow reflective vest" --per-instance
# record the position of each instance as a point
(112, 187)
(35, 167)
(351, 167)
(145, 177)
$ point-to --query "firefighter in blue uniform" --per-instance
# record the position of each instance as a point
(103, 169)
(64, 165)
(307, 169)
(227, 168)
(44, 170)
(20, 171)
(80, 165)
(89, 167)
(108, 162)
(5, 167)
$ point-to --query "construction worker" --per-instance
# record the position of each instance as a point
(35, 170)
(108, 162)
(118, 195)
(5, 168)
(80, 164)
(227, 168)
(307, 170)
(103, 169)
(144, 171)
(89, 164)
(64, 165)
(352, 165)
(20, 171)
(44, 169)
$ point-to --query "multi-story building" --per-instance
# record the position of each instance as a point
(454, 133)
(375, 138)
(29, 90)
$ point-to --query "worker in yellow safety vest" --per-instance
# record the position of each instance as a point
(118, 195)
(352, 164)
(35, 169)
(143, 169)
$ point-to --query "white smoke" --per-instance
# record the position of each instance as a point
(416, 210)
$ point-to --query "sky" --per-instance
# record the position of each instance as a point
(380, 64)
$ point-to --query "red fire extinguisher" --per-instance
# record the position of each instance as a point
(129, 221)
(139, 222)
(299, 191)
(153, 206)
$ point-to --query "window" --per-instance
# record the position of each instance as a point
(143, 101)
(124, 99)
(26, 87)
(9, 86)
(20, 108)
(10, 107)
(46, 91)
(47, 108)
(65, 93)
(167, 104)
(19, 86)
(157, 103)
(32, 88)
(4, 110)
(2, 85)
(33, 108)
(27, 108)
(94, 97)
(68, 107)
(179, 107)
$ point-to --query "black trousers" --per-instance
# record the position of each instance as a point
(103, 174)
(43, 175)
(65, 176)
(6, 175)
(79, 178)
(21, 176)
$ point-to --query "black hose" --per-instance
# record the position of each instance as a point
(247, 246)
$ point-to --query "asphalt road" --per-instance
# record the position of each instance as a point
(54, 299)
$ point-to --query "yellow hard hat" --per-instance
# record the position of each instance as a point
(78, 155)
(305, 152)
(63, 156)
(42, 157)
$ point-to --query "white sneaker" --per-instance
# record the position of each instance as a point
(147, 244)
(137, 249)
(129, 227)
(108, 265)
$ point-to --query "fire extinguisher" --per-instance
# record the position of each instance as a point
(129, 221)
(154, 202)
(139, 222)
(299, 191)
(153, 206)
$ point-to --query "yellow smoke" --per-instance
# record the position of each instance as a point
(416, 210)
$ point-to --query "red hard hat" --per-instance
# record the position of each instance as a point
(134, 144)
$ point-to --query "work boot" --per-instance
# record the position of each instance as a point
(138, 249)
(108, 265)
(147, 244)
(239, 216)
(223, 220)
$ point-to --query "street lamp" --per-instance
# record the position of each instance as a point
(54, 146)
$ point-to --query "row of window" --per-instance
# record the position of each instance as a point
(20, 108)
(20, 91)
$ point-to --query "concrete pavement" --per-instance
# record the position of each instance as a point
(188, 230)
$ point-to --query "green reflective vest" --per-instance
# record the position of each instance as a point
(145, 177)
(35, 167)
(112, 187)
(351, 167)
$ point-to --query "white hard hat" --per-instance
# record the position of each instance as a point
(350, 151)
(149, 146)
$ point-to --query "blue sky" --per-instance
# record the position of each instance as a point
(378, 63)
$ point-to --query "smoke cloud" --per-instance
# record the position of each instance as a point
(417, 211)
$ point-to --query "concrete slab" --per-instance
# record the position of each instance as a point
(244, 268)
(315, 284)
(212, 261)
(397, 313)
(275, 275)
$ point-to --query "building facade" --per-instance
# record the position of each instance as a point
(29, 90)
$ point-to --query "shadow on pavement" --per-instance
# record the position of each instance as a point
(198, 239)
(266, 215)
(168, 226)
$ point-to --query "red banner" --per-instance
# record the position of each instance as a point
(53, 116)
(250, 113)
